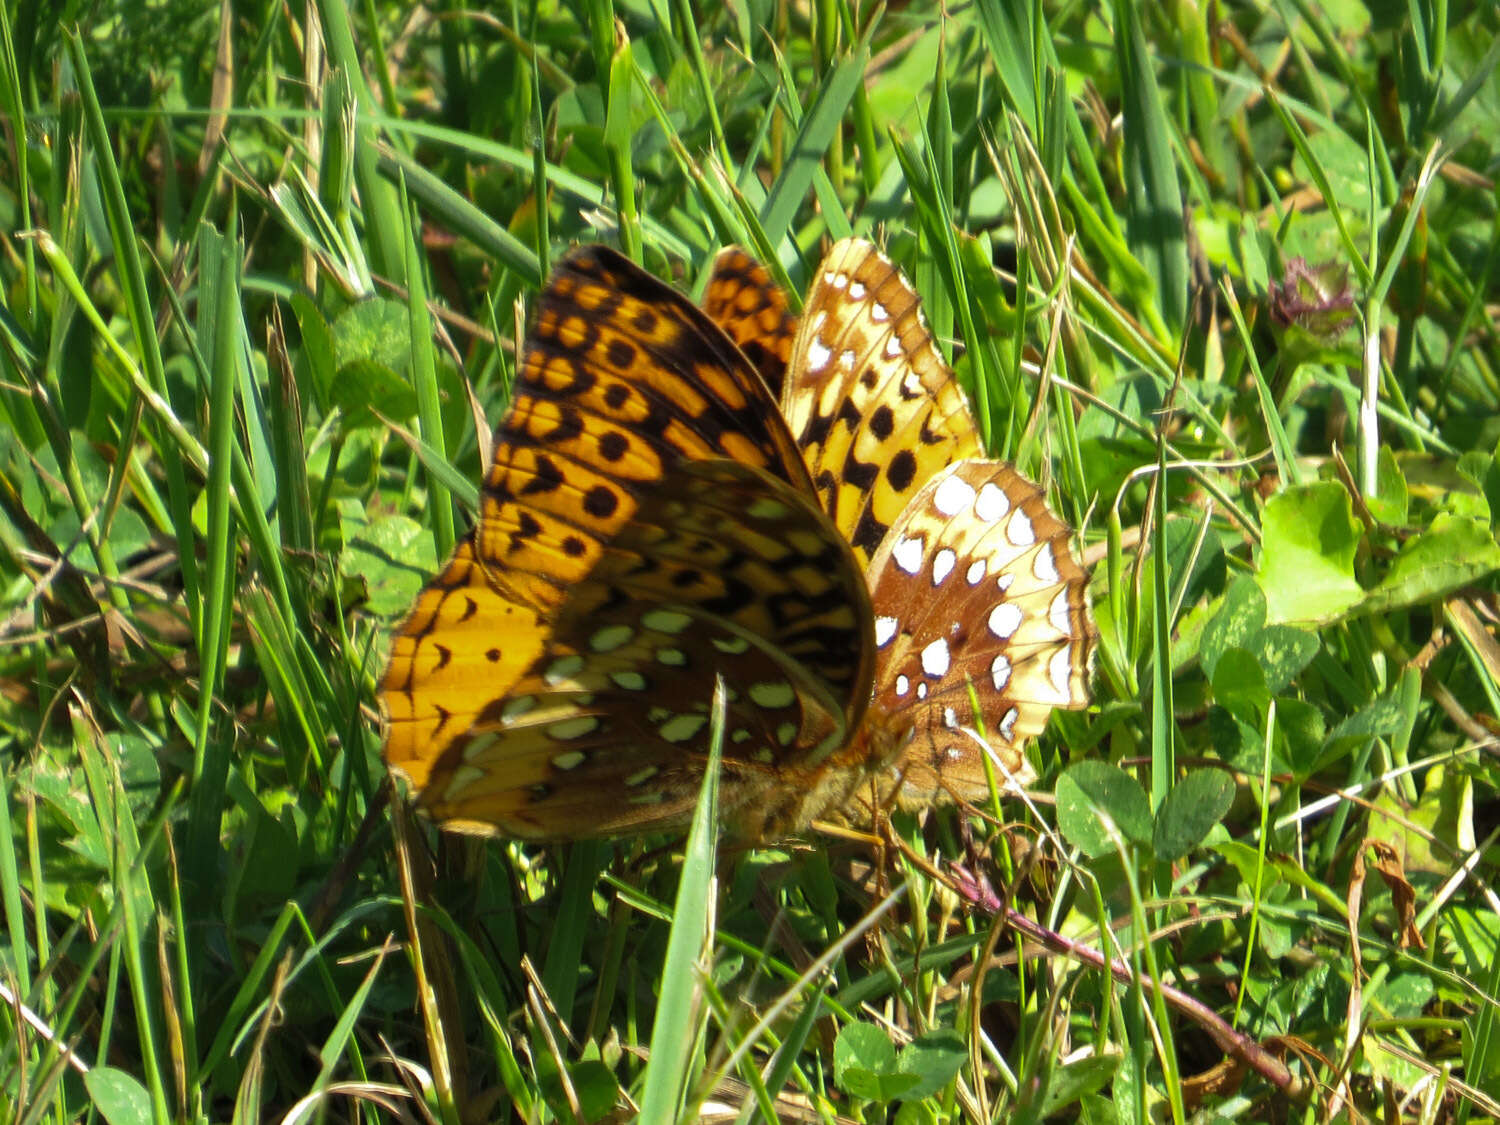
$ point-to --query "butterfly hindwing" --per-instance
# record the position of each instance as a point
(721, 570)
(977, 596)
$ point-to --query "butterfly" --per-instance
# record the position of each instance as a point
(654, 520)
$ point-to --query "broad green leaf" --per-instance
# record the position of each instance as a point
(916, 1113)
(1304, 730)
(372, 360)
(1067, 1084)
(1089, 791)
(933, 1059)
(1389, 504)
(597, 1088)
(1240, 685)
(1283, 651)
(393, 556)
(1242, 614)
(1195, 804)
(1307, 554)
(375, 329)
(1454, 552)
(119, 1097)
(364, 389)
(1381, 719)
(864, 1065)
(1236, 741)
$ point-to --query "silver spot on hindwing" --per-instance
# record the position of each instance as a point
(936, 659)
(953, 496)
(1004, 620)
(992, 503)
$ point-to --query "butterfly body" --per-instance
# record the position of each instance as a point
(653, 522)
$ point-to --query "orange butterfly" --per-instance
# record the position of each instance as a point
(652, 522)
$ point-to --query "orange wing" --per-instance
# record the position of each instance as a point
(647, 527)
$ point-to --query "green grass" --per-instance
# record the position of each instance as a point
(242, 325)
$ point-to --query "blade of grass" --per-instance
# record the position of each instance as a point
(678, 1013)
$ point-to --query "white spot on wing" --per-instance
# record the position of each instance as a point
(817, 355)
(1044, 566)
(785, 733)
(773, 694)
(1000, 672)
(942, 565)
(563, 668)
(953, 496)
(992, 503)
(573, 728)
(671, 621)
(936, 659)
(1004, 620)
(767, 508)
(610, 638)
(1019, 531)
(885, 629)
(680, 728)
(630, 681)
(463, 777)
(950, 718)
(921, 691)
(1058, 613)
(976, 572)
(477, 746)
(903, 685)
(641, 776)
(908, 555)
(1008, 725)
(672, 657)
(879, 313)
(857, 290)
(569, 761)
(892, 347)
(1060, 667)
(517, 707)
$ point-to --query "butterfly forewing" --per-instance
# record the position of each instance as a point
(975, 590)
(647, 525)
(622, 380)
(459, 642)
(721, 570)
(751, 308)
(874, 407)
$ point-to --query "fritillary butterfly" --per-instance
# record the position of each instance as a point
(650, 523)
